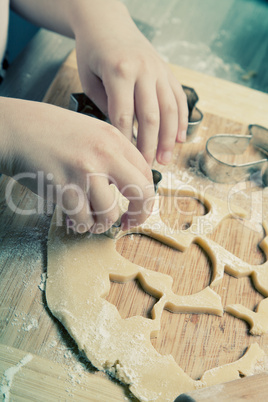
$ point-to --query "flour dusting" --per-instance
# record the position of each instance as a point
(9, 374)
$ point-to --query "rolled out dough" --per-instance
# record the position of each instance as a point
(80, 269)
(217, 210)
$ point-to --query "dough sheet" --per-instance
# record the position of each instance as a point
(80, 271)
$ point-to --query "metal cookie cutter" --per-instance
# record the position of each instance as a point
(233, 144)
(80, 103)
(195, 115)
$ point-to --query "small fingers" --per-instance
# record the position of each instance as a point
(95, 90)
(182, 105)
(103, 203)
(169, 122)
(138, 190)
(120, 93)
(74, 203)
(147, 112)
(135, 158)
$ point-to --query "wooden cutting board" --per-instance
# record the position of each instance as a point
(197, 342)
(27, 376)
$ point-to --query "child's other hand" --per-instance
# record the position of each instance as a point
(122, 73)
(71, 159)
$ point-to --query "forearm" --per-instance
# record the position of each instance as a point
(21, 138)
(65, 16)
(6, 135)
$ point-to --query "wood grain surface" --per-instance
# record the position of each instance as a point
(28, 377)
(254, 388)
(197, 342)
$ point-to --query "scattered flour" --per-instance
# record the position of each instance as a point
(25, 322)
(33, 324)
(42, 285)
(9, 374)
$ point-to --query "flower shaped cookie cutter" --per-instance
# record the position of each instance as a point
(212, 165)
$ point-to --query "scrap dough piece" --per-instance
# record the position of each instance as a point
(258, 320)
(246, 365)
(224, 261)
(217, 210)
(78, 280)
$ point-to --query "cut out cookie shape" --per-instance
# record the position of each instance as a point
(181, 239)
(224, 261)
(258, 320)
(79, 273)
(245, 366)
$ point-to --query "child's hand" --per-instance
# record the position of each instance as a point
(121, 72)
(75, 158)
